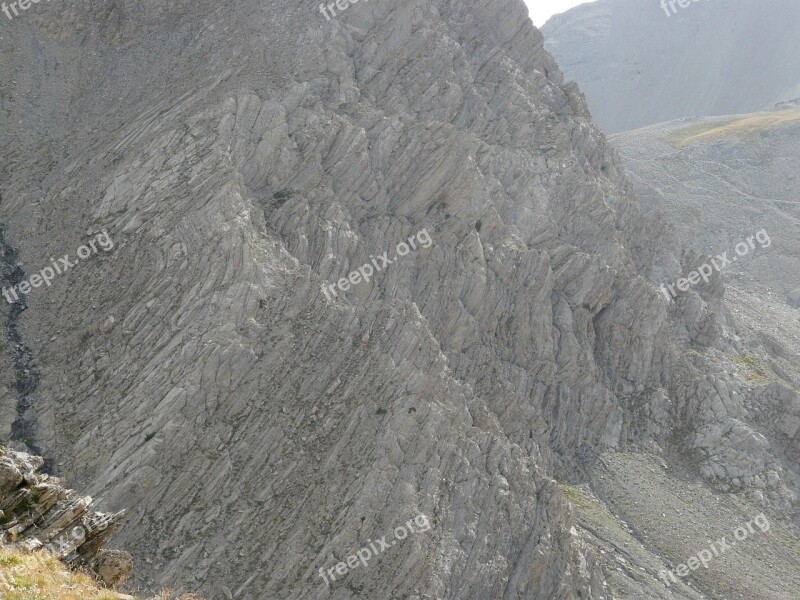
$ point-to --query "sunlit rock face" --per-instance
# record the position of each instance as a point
(39, 513)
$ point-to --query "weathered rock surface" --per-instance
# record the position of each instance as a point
(242, 155)
(36, 511)
(639, 66)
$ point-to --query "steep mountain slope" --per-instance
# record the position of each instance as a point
(738, 177)
(640, 63)
(260, 429)
(721, 179)
(718, 181)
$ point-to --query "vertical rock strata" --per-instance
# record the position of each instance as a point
(242, 155)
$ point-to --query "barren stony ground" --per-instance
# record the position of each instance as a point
(242, 155)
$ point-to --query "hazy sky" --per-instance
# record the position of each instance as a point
(541, 10)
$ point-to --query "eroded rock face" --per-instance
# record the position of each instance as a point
(260, 431)
(36, 511)
(10, 476)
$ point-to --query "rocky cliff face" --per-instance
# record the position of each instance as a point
(258, 428)
(641, 63)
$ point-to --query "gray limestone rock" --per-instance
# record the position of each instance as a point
(258, 429)
(37, 512)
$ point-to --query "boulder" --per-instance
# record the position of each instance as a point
(10, 476)
(113, 567)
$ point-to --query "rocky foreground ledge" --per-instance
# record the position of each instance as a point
(37, 512)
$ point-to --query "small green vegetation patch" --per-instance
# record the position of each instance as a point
(756, 371)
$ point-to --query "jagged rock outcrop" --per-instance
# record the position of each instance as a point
(259, 430)
(37, 512)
